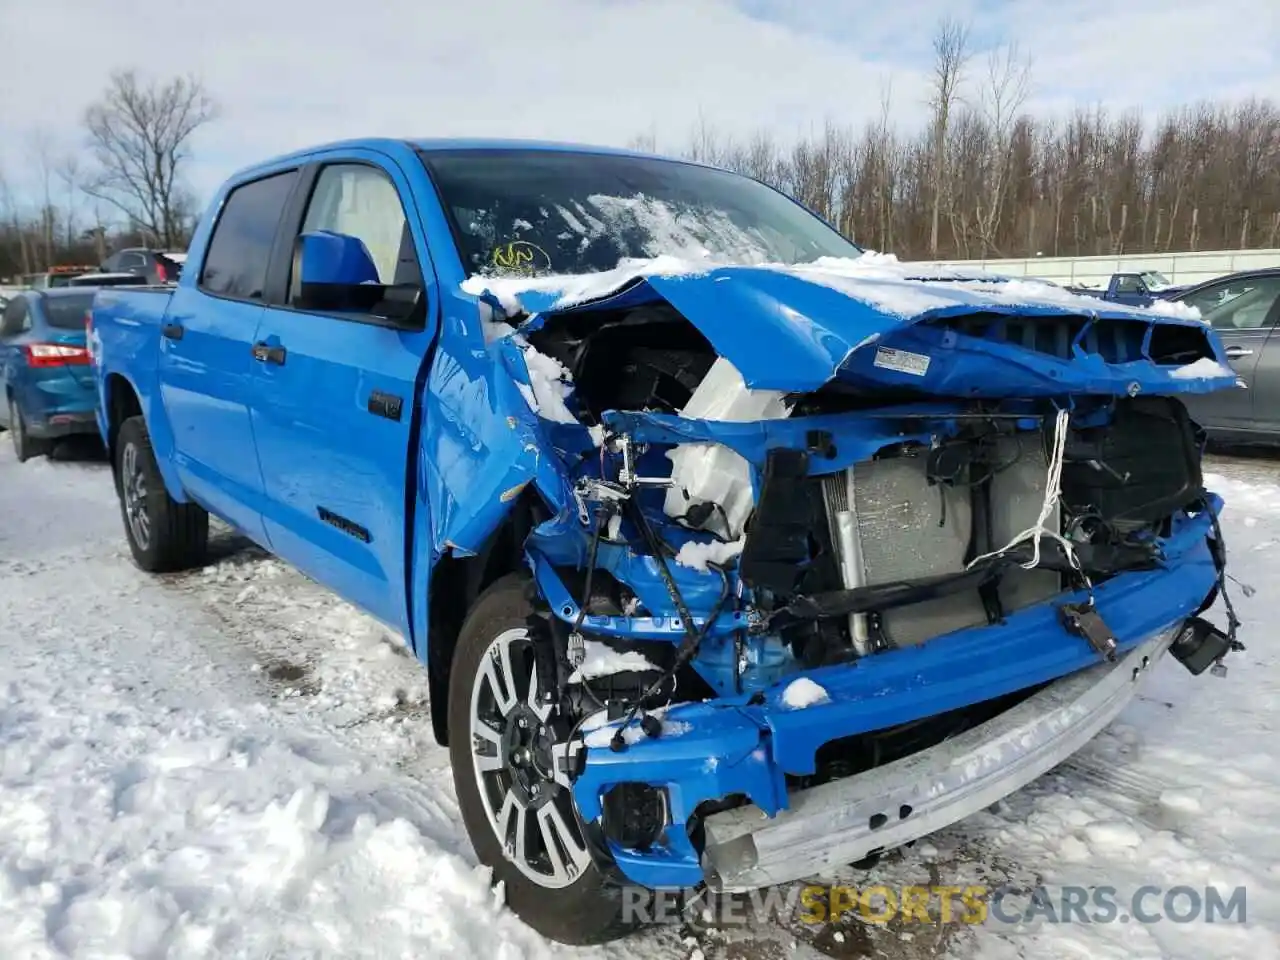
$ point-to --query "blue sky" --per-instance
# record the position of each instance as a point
(292, 72)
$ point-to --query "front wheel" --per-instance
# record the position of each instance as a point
(164, 535)
(519, 815)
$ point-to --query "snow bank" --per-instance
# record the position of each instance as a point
(155, 801)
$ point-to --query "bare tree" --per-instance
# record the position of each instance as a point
(42, 160)
(68, 173)
(951, 56)
(1006, 90)
(140, 135)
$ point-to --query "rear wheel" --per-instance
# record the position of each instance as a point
(519, 815)
(25, 446)
(164, 535)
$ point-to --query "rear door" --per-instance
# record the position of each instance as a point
(335, 392)
(206, 363)
(1241, 311)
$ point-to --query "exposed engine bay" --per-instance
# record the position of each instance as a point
(960, 513)
(771, 566)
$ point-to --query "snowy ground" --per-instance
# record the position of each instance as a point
(231, 762)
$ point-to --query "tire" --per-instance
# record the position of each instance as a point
(25, 446)
(580, 905)
(163, 535)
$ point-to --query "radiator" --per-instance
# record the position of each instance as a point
(888, 523)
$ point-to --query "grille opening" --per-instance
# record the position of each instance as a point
(1115, 341)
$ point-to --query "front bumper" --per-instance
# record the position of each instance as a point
(843, 821)
(744, 746)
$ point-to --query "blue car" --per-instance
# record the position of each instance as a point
(44, 369)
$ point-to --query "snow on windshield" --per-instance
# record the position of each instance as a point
(546, 212)
(691, 232)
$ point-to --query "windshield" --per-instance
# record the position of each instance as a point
(1154, 279)
(67, 313)
(547, 212)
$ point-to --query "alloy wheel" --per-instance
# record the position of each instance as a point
(514, 745)
(133, 490)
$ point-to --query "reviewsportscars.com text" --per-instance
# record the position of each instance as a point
(963, 904)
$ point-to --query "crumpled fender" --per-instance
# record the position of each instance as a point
(481, 444)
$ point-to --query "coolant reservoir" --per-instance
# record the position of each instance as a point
(710, 473)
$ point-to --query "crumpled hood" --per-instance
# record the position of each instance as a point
(795, 328)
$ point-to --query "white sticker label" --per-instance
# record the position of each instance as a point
(904, 361)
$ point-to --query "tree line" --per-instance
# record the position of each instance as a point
(981, 177)
(125, 186)
(984, 178)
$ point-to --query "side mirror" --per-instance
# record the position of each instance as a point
(334, 273)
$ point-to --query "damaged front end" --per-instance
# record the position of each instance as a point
(828, 567)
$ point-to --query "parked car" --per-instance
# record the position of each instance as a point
(47, 385)
(108, 280)
(1140, 288)
(719, 572)
(1244, 310)
(55, 277)
(156, 266)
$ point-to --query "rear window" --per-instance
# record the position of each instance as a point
(67, 313)
(236, 264)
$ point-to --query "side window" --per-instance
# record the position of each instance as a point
(1129, 284)
(362, 202)
(1239, 304)
(236, 263)
(15, 319)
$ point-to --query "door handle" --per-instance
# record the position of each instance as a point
(265, 353)
(1235, 353)
(172, 331)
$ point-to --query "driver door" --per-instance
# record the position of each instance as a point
(334, 397)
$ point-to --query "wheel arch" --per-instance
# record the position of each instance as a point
(455, 584)
(121, 400)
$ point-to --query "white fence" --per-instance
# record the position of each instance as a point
(1180, 268)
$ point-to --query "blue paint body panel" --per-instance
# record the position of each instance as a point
(284, 450)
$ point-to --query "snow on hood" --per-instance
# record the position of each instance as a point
(794, 327)
(902, 290)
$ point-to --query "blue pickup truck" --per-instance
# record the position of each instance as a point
(733, 553)
(1140, 288)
